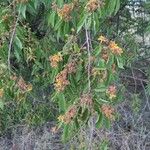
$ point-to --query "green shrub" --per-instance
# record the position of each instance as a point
(69, 49)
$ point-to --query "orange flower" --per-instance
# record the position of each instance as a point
(61, 118)
(61, 81)
(71, 112)
(86, 100)
(65, 12)
(103, 75)
(93, 5)
(68, 116)
(105, 55)
(23, 86)
(29, 87)
(71, 67)
(14, 77)
(55, 59)
(108, 111)
(95, 72)
(115, 49)
(111, 91)
(1, 93)
(5, 17)
(103, 39)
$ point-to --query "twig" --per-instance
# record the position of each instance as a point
(89, 57)
(135, 81)
(11, 42)
(91, 126)
(146, 96)
(135, 78)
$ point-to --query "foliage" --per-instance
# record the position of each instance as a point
(73, 50)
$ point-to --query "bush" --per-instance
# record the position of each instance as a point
(72, 52)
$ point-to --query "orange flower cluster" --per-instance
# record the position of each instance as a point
(95, 72)
(86, 100)
(111, 91)
(61, 80)
(115, 49)
(71, 67)
(93, 5)
(108, 111)
(101, 73)
(65, 12)
(21, 84)
(1, 93)
(55, 59)
(103, 39)
(68, 116)
(14, 77)
(6, 17)
(105, 55)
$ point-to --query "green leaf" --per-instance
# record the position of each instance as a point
(18, 43)
(97, 50)
(107, 123)
(111, 61)
(99, 120)
(101, 64)
(31, 9)
(79, 72)
(51, 19)
(65, 133)
(36, 4)
(89, 22)
(1, 105)
(76, 48)
(76, 123)
(120, 62)
(81, 23)
(53, 74)
(96, 22)
(39, 64)
(117, 6)
(66, 28)
(102, 89)
(100, 101)
(22, 10)
(58, 24)
(111, 7)
(85, 115)
(62, 102)
(17, 55)
(60, 3)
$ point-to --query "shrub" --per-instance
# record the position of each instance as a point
(68, 48)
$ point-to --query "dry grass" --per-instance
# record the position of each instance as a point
(130, 132)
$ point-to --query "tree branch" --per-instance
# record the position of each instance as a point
(11, 42)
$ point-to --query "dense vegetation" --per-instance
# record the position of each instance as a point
(62, 60)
